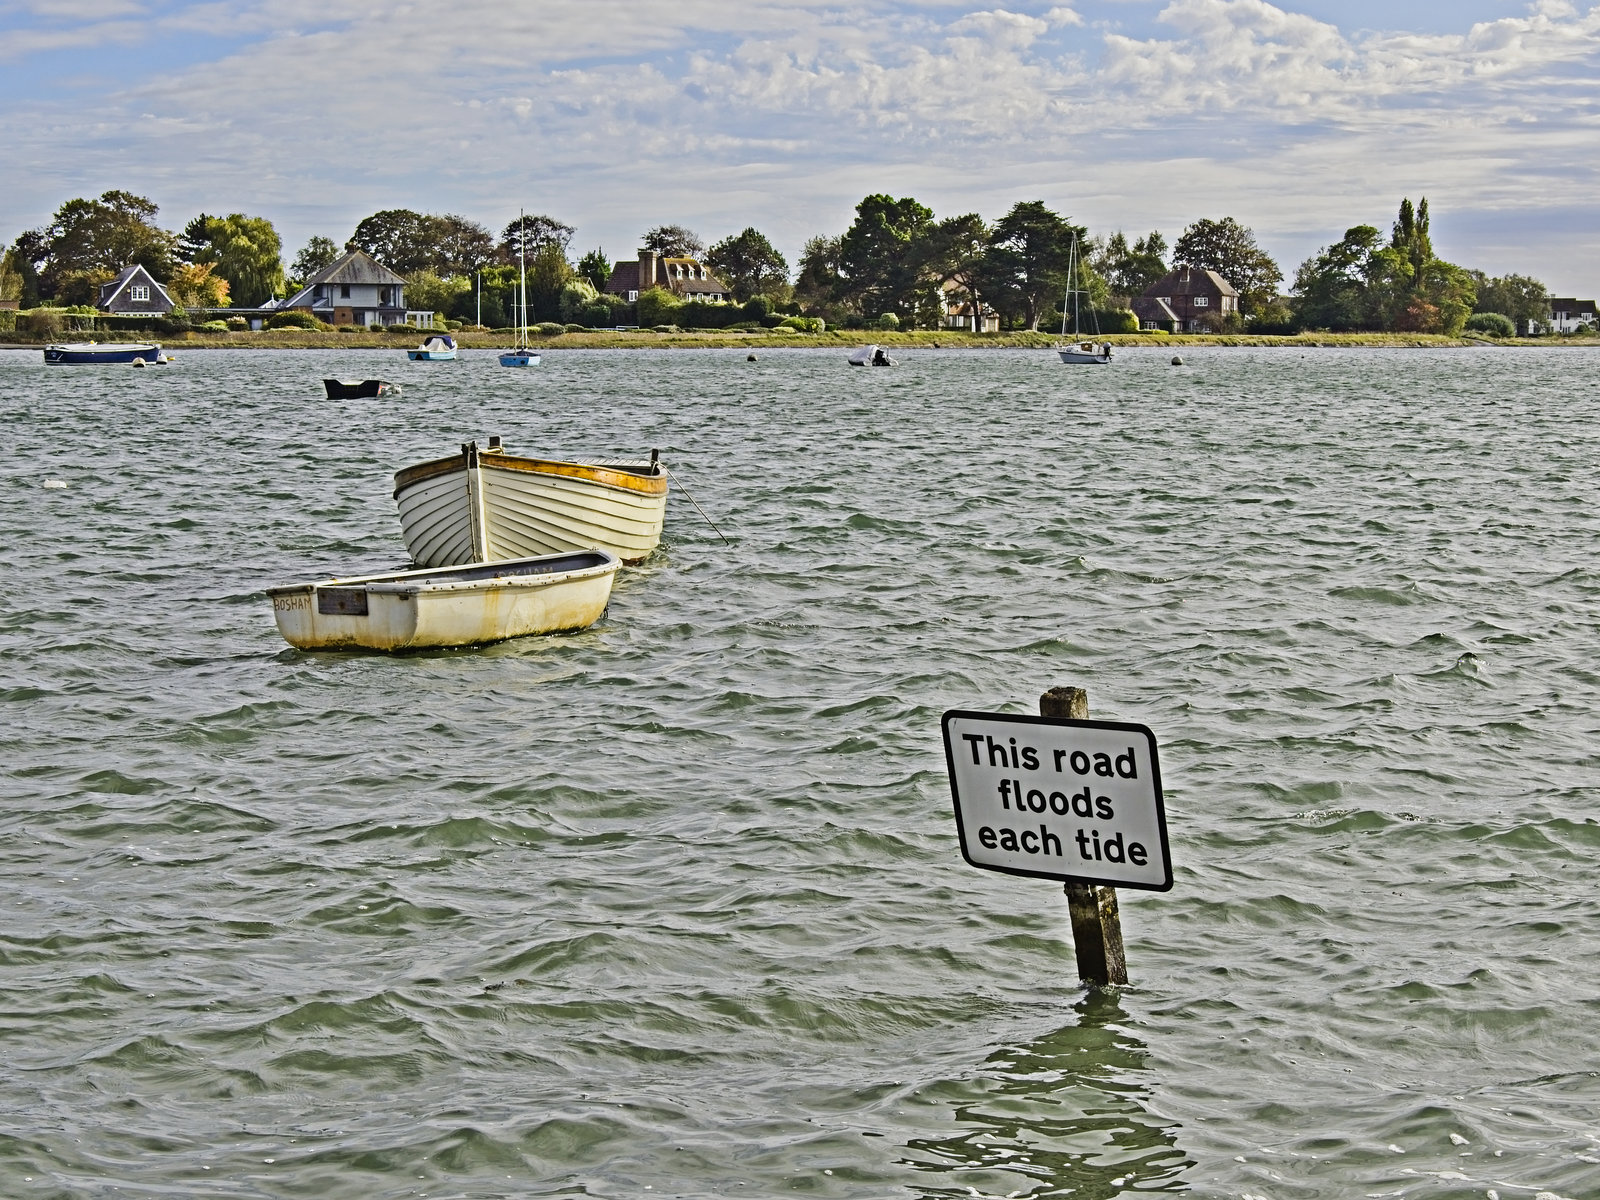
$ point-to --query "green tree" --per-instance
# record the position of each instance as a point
(958, 253)
(881, 258)
(407, 242)
(429, 291)
(460, 246)
(1230, 249)
(91, 237)
(749, 264)
(1410, 237)
(1519, 297)
(531, 234)
(596, 268)
(397, 237)
(674, 241)
(313, 256)
(820, 283)
(1130, 270)
(657, 306)
(1332, 287)
(1029, 254)
(548, 273)
(576, 297)
(245, 251)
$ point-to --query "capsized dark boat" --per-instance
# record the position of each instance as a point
(359, 389)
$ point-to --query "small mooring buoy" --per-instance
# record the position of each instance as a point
(750, 358)
(1177, 360)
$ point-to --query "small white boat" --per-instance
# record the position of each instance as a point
(452, 606)
(521, 355)
(482, 505)
(1085, 352)
(121, 354)
(439, 348)
(1079, 351)
(872, 356)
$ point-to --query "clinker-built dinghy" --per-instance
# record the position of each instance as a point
(483, 505)
(452, 606)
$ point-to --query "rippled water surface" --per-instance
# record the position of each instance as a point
(674, 907)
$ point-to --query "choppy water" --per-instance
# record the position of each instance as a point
(673, 907)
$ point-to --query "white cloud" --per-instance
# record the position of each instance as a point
(620, 113)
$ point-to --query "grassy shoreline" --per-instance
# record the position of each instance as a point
(834, 339)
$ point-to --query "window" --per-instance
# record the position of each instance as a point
(632, 296)
(139, 292)
(344, 291)
(1201, 301)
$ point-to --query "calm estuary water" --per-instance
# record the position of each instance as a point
(673, 907)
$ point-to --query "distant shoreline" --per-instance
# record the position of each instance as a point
(833, 339)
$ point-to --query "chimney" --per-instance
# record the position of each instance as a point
(647, 269)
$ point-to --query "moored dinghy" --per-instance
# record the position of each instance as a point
(485, 504)
(451, 606)
(872, 356)
(441, 347)
(116, 354)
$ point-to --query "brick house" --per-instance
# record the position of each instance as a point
(1197, 299)
(686, 278)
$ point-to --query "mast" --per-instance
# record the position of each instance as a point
(522, 273)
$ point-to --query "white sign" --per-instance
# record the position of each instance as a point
(1058, 799)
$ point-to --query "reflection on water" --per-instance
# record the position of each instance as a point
(1065, 1114)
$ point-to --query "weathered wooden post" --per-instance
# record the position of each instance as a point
(1096, 922)
(1059, 796)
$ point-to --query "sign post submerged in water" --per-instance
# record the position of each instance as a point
(1059, 796)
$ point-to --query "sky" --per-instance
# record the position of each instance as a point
(1298, 119)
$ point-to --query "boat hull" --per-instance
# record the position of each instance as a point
(359, 389)
(433, 609)
(1082, 354)
(83, 354)
(513, 358)
(431, 355)
(479, 506)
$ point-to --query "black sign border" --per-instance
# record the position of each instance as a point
(1027, 719)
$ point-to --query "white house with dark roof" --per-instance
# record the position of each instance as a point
(356, 289)
(1568, 314)
(134, 291)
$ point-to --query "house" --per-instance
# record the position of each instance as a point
(1197, 298)
(356, 289)
(956, 310)
(1568, 314)
(685, 277)
(134, 291)
(1155, 313)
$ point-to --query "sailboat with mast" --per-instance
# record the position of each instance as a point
(522, 355)
(1077, 351)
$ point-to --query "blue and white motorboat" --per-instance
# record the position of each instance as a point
(441, 347)
(122, 354)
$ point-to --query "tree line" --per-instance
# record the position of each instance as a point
(897, 263)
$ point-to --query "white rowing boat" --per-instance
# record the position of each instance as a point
(451, 606)
(484, 505)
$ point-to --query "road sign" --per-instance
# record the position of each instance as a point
(1058, 799)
